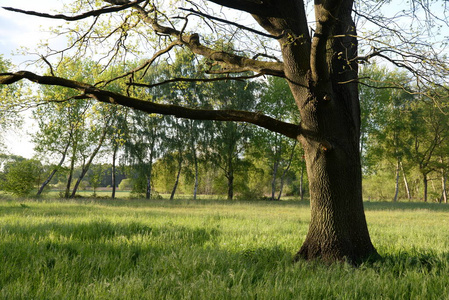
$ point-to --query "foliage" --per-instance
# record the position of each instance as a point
(21, 177)
(125, 184)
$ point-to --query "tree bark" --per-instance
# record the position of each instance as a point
(178, 174)
(113, 171)
(396, 185)
(407, 187)
(49, 178)
(193, 129)
(72, 167)
(150, 169)
(327, 97)
(273, 177)
(230, 169)
(425, 186)
(230, 178)
(148, 189)
(89, 162)
(443, 187)
(195, 162)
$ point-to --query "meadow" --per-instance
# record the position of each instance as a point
(210, 249)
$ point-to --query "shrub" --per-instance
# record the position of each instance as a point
(21, 177)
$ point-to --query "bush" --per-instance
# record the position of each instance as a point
(125, 184)
(21, 177)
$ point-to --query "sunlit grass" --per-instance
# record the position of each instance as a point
(129, 249)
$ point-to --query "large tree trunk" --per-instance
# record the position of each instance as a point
(325, 89)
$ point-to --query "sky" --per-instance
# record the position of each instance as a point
(18, 30)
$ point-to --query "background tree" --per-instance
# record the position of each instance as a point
(96, 177)
(228, 140)
(142, 147)
(276, 149)
(385, 107)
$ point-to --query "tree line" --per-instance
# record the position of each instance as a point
(163, 154)
(404, 142)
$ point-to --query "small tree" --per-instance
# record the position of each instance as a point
(95, 177)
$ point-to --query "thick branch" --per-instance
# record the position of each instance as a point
(90, 91)
(229, 60)
(88, 14)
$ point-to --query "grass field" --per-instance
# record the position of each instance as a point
(129, 249)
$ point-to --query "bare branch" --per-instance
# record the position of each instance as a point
(232, 23)
(146, 64)
(88, 14)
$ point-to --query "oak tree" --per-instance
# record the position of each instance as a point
(318, 58)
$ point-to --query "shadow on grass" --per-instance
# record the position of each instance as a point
(91, 251)
(102, 230)
(404, 262)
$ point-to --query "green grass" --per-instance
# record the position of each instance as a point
(128, 249)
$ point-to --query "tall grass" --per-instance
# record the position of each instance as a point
(127, 249)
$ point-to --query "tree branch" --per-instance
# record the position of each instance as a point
(229, 60)
(88, 14)
(90, 91)
(146, 64)
(256, 7)
(231, 23)
(193, 80)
